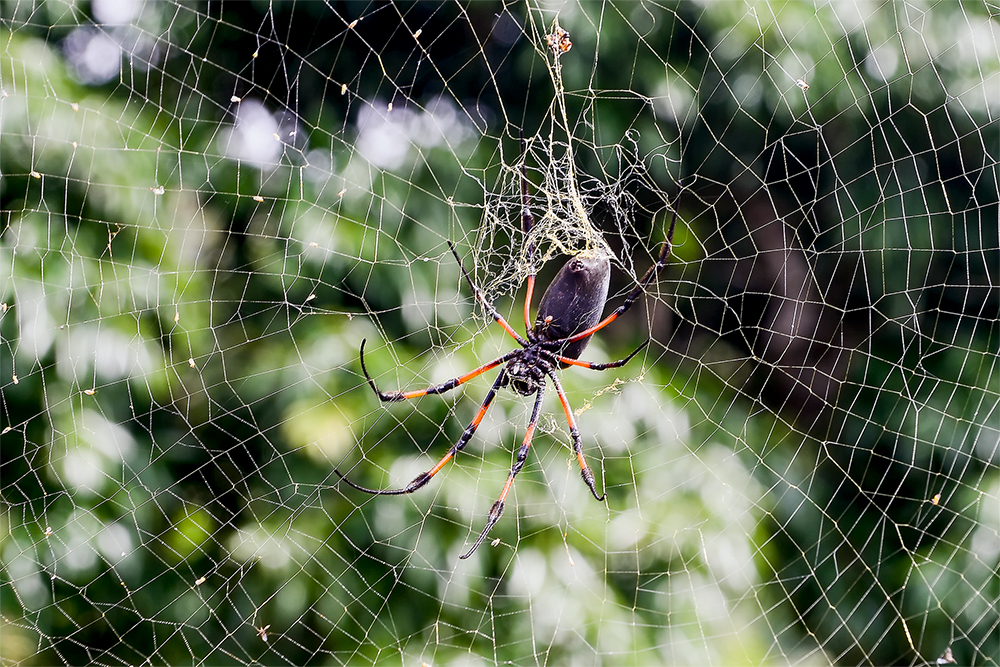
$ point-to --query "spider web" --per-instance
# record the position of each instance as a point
(207, 208)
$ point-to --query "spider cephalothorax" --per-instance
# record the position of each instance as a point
(526, 371)
(568, 315)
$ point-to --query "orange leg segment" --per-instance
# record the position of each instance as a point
(574, 432)
(496, 511)
(424, 477)
(594, 366)
(392, 396)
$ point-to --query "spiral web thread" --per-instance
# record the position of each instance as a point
(205, 211)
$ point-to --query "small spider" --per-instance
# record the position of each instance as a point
(559, 41)
(568, 315)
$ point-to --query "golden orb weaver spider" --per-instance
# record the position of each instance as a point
(568, 315)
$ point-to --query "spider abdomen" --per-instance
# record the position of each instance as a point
(574, 302)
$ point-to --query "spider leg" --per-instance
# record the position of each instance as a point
(424, 477)
(497, 510)
(527, 222)
(634, 294)
(601, 367)
(574, 433)
(393, 396)
(486, 304)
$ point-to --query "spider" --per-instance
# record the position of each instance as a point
(568, 315)
(559, 41)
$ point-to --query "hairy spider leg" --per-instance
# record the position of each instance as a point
(497, 509)
(424, 477)
(486, 304)
(574, 433)
(594, 366)
(394, 396)
(634, 294)
(527, 222)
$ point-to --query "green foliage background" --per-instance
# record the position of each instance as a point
(180, 326)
